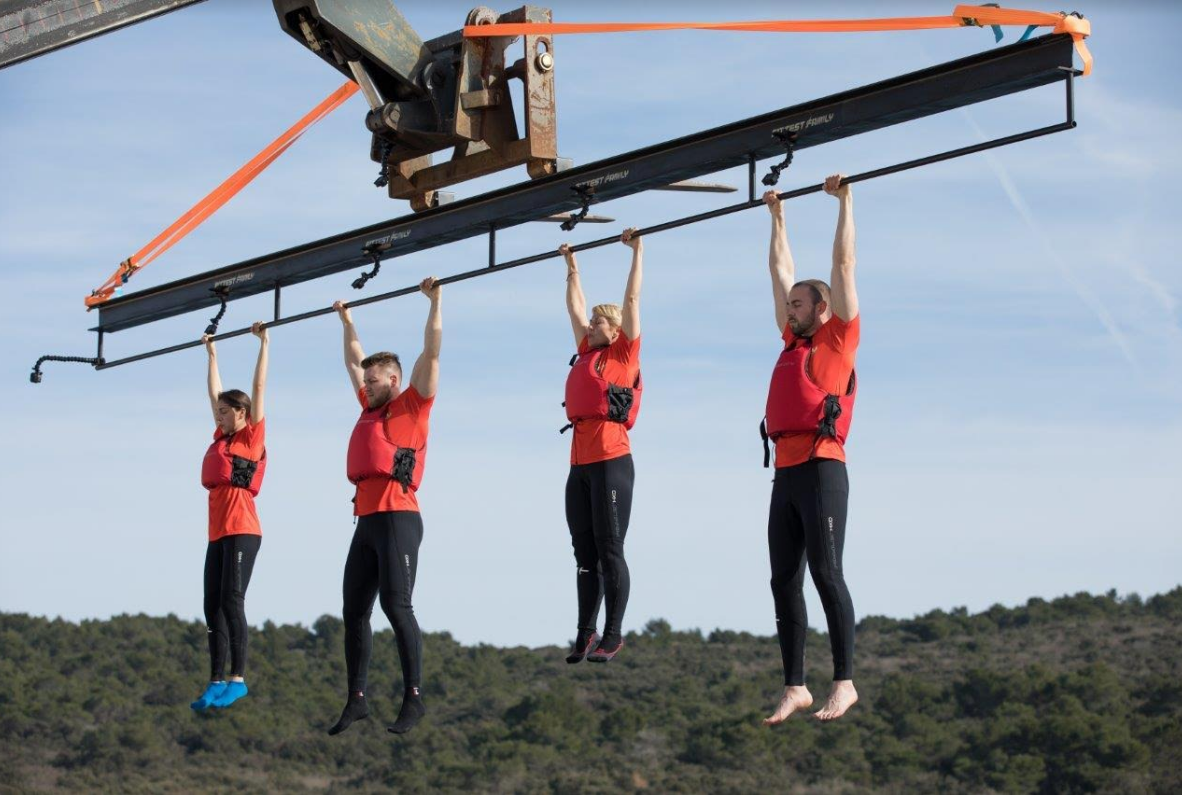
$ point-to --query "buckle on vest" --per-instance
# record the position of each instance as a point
(404, 467)
(242, 471)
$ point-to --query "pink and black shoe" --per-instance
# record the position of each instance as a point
(584, 643)
(607, 649)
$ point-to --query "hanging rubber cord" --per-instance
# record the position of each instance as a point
(219, 196)
(360, 281)
(585, 195)
(35, 376)
(384, 149)
(962, 16)
(222, 293)
(789, 141)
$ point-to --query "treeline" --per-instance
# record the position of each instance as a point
(1078, 694)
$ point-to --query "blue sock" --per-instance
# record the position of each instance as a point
(212, 691)
(233, 692)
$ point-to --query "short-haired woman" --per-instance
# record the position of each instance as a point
(602, 400)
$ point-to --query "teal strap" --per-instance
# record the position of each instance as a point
(997, 31)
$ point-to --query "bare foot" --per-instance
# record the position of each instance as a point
(795, 698)
(841, 697)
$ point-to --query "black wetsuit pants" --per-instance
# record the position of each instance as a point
(598, 506)
(229, 562)
(382, 562)
(807, 520)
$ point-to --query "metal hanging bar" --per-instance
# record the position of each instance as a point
(1068, 124)
(1025, 66)
(936, 89)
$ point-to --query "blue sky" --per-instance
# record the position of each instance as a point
(1019, 415)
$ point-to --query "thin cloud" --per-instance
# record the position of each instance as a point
(1052, 254)
(1145, 279)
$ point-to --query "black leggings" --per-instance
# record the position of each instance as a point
(382, 562)
(229, 562)
(598, 506)
(807, 518)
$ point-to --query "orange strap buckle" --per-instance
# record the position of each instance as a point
(219, 196)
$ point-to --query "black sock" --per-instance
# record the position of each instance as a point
(355, 709)
(411, 713)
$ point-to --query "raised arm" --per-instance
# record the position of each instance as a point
(425, 376)
(353, 352)
(845, 295)
(212, 379)
(576, 304)
(631, 306)
(259, 386)
(779, 259)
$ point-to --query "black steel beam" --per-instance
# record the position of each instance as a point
(492, 267)
(977, 78)
(29, 28)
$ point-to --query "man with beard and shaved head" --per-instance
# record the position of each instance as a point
(387, 453)
(809, 408)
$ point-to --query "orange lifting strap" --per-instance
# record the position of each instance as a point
(962, 15)
(220, 195)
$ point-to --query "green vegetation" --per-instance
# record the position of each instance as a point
(1079, 694)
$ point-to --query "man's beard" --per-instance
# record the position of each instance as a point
(799, 327)
(379, 399)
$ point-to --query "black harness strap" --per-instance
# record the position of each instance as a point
(569, 425)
